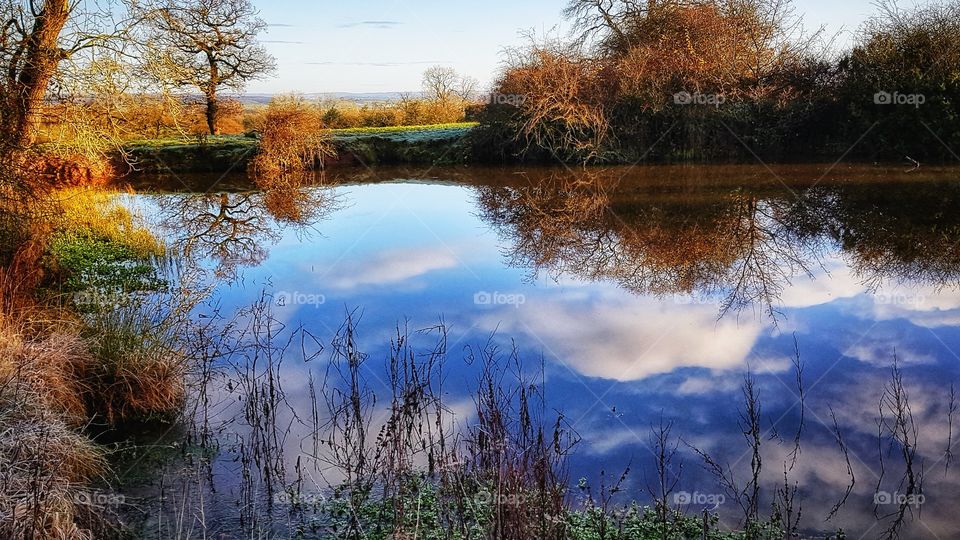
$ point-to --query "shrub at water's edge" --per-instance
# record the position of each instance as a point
(719, 81)
(292, 139)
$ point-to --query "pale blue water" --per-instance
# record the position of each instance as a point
(653, 298)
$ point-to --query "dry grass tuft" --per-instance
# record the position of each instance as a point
(44, 462)
(58, 370)
(138, 372)
(48, 370)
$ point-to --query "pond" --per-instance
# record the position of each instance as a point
(634, 298)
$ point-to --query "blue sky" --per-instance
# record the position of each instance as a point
(385, 45)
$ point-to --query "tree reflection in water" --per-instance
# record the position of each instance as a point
(235, 229)
(740, 242)
(741, 246)
(901, 232)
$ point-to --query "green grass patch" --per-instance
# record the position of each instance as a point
(401, 129)
(435, 515)
(376, 145)
(99, 247)
(100, 266)
(451, 129)
(191, 142)
(407, 134)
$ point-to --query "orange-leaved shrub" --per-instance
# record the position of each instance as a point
(292, 138)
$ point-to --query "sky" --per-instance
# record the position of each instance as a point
(385, 45)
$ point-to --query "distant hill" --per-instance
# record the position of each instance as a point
(356, 97)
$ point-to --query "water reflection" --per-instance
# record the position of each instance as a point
(906, 231)
(236, 229)
(734, 243)
(745, 243)
(647, 292)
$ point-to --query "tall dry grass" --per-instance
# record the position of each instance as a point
(46, 463)
(140, 371)
(60, 371)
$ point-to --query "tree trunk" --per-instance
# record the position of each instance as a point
(213, 109)
(41, 55)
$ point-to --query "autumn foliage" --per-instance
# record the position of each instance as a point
(724, 79)
(135, 116)
(292, 138)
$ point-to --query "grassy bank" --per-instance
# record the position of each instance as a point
(82, 346)
(437, 144)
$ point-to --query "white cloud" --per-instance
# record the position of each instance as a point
(390, 267)
(927, 306)
(881, 352)
(627, 338)
(829, 283)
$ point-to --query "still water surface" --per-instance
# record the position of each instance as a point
(645, 293)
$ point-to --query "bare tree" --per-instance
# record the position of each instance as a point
(467, 87)
(35, 37)
(207, 45)
(444, 84)
(439, 83)
(605, 20)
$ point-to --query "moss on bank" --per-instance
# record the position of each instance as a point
(442, 144)
(214, 154)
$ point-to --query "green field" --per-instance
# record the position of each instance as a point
(429, 131)
(436, 143)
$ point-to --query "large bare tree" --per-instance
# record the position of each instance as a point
(207, 45)
(36, 37)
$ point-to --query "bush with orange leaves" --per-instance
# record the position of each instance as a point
(732, 48)
(230, 118)
(134, 116)
(617, 101)
(293, 139)
(566, 101)
(406, 111)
